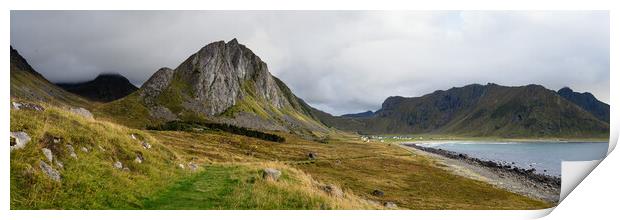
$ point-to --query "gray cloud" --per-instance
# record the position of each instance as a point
(341, 62)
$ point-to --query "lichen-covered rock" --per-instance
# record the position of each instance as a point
(49, 171)
(271, 174)
(48, 154)
(82, 112)
(19, 140)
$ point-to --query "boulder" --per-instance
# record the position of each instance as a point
(118, 165)
(49, 171)
(333, 190)
(390, 205)
(19, 140)
(271, 174)
(48, 154)
(82, 112)
(377, 192)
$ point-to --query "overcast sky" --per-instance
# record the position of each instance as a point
(340, 62)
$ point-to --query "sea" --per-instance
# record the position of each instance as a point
(545, 157)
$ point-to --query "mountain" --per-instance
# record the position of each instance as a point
(28, 84)
(105, 87)
(222, 82)
(359, 115)
(588, 102)
(478, 110)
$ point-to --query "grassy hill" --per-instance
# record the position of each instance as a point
(479, 111)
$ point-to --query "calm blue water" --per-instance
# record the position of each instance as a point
(540, 155)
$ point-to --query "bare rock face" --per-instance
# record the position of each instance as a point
(156, 85)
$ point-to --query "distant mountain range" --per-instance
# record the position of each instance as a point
(226, 82)
(484, 110)
(105, 87)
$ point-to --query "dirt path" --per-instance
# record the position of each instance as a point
(485, 174)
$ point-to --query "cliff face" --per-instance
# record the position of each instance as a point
(588, 102)
(226, 82)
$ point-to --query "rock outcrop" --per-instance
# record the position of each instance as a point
(19, 140)
(271, 174)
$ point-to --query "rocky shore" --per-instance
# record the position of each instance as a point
(501, 174)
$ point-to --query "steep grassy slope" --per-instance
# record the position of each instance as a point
(27, 83)
(91, 180)
(477, 110)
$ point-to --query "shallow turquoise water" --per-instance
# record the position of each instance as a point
(539, 155)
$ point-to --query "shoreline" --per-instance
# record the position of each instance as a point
(514, 179)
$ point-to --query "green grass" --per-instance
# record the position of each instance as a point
(235, 187)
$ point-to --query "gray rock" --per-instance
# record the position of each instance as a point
(158, 82)
(60, 164)
(49, 171)
(139, 158)
(118, 165)
(312, 156)
(377, 192)
(82, 112)
(192, 166)
(56, 140)
(146, 145)
(71, 151)
(271, 174)
(333, 190)
(84, 149)
(27, 106)
(19, 140)
(48, 154)
(390, 205)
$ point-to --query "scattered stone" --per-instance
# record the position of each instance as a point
(71, 151)
(82, 112)
(181, 166)
(146, 145)
(60, 164)
(312, 155)
(133, 136)
(377, 192)
(101, 148)
(56, 140)
(48, 154)
(271, 174)
(49, 171)
(333, 190)
(19, 140)
(84, 149)
(27, 106)
(192, 166)
(139, 158)
(118, 165)
(390, 205)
